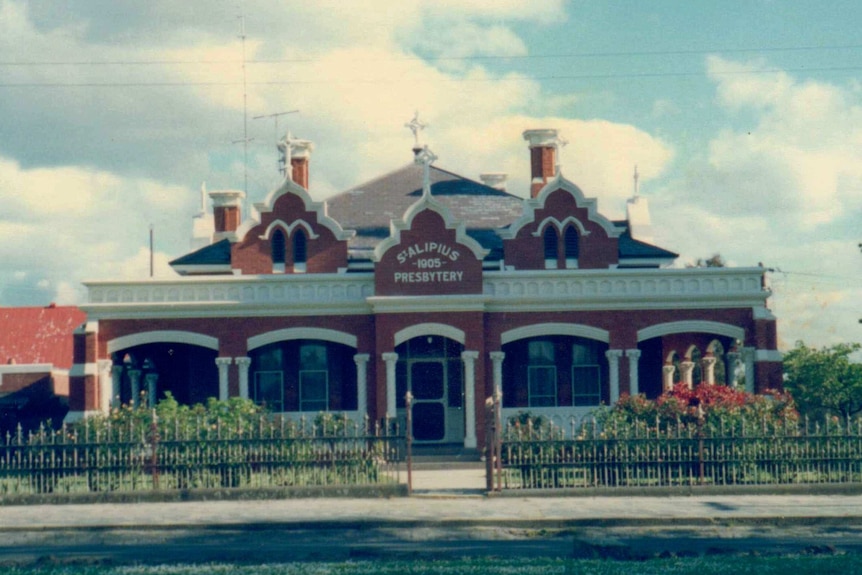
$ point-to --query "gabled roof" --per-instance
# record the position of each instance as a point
(38, 334)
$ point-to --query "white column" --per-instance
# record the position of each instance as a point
(390, 358)
(707, 363)
(614, 356)
(497, 358)
(151, 379)
(223, 364)
(667, 377)
(135, 381)
(634, 375)
(106, 384)
(361, 361)
(686, 371)
(469, 358)
(116, 382)
(242, 364)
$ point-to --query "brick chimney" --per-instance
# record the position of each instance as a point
(226, 213)
(300, 155)
(543, 161)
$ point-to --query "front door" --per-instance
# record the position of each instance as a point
(431, 369)
(427, 384)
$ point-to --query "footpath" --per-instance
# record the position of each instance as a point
(448, 514)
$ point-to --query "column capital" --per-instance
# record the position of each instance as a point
(389, 356)
(614, 353)
(469, 355)
(242, 361)
(104, 364)
(223, 361)
(361, 358)
(497, 355)
(633, 353)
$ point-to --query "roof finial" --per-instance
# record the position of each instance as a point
(636, 177)
(559, 144)
(284, 146)
(415, 126)
(425, 157)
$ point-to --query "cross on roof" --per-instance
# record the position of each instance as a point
(415, 126)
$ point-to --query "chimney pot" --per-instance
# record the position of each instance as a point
(543, 149)
(495, 180)
(226, 212)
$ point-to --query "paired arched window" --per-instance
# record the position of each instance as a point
(299, 248)
(571, 247)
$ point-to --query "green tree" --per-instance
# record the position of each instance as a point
(824, 381)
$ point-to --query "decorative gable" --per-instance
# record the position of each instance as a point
(427, 253)
(292, 234)
(560, 228)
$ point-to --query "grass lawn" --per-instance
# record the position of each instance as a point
(718, 565)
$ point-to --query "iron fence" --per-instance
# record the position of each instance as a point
(270, 452)
(681, 454)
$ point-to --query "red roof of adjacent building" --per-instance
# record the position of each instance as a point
(38, 334)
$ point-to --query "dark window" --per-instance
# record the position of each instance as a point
(550, 247)
(586, 375)
(278, 251)
(299, 251)
(572, 246)
(304, 375)
(542, 374)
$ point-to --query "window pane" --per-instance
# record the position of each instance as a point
(543, 386)
(541, 352)
(587, 385)
(270, 359)
(313, 391)
(584, 354)
(269, 390)
(313, 356)
(426, 379)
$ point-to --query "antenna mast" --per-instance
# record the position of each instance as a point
(245, 139)
(275, 118)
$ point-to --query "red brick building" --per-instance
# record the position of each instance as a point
(36, 355)
(426, 281)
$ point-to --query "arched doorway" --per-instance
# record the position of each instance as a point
(431, 369)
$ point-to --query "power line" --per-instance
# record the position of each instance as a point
(631, 53)
(413, 81)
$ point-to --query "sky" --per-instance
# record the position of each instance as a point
(743, 117)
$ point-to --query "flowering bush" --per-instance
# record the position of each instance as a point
(717, 407)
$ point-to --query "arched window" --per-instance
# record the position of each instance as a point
(299, 251)
(551, 242)
(278, 251)
(572, 246)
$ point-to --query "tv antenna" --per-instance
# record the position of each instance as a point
(245, 139)
(275, 118)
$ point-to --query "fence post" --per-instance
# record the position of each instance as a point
(490, 440)
(154, 450)
(498, 438)
(408, 404)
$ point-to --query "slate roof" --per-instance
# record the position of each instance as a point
(39, 334)
(630, 248)
(213, 254)
(369, 207)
